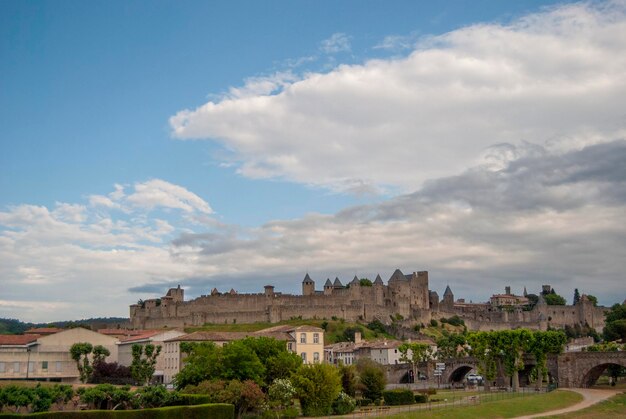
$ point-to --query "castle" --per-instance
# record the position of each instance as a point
(405, 298)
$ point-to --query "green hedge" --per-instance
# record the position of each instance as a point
(421, 398)
(193, 399)
(398, 397)
(216, 411)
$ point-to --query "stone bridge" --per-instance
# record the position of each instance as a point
(582, 369)
(572, 369)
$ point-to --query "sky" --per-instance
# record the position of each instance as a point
(146, 144)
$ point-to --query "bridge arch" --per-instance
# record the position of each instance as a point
(459, 372)
(590, 377)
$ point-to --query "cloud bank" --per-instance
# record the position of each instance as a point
(556, 78)
(542, 218)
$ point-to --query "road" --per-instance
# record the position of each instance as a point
(590, 397)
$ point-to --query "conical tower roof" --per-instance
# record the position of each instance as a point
(337, 282)
(378, 280)
(448, 291)
(397, 276)
(328, 283)
(355, 281)
(307, 278)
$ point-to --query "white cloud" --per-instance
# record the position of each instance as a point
(556, 78)
(338, 42)
(159, 193)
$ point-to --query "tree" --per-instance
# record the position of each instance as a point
(99, 354)
(282, 365)
(371, 379)
(240, 362)
(544, 343)
(414, 354)
(281, 392)
(80, 353)
(17, 397)
(615, 323)
(246, 395)
(451, 346)
(349, 379)
(142, 367)
(511, 345)
(554, 299)
(576, 297)
(317, 386)
(365, 282)
(483, 348)
(201, 363)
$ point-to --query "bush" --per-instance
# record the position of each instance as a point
(343, 404)
(430, 391)
(214, 411)
(398, 397)
(193, 399)
(434, 323)
(421, 398)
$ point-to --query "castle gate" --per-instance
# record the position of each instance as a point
(582, 369)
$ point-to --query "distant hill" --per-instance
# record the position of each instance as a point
(13, 326)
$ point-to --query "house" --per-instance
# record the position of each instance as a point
(47, 357)
(154, 337)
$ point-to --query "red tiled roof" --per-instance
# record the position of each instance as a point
(18, 339)
(145, 334)
(120, 332)
(43, 330)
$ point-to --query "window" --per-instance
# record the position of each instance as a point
(316, 338)
(58, 367)
(316, 357)
(16, 367)
(302, 337)
(2, 367)
(44, 365)
(303, 355)
(31, 366)
(290, 346)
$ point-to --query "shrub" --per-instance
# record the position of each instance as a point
(193, 399)
(343, 404)
(421, 398)
(214, 411)
(434, 323)
(398, 397)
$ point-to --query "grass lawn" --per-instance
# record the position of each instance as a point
(504, 408)
(613, 407)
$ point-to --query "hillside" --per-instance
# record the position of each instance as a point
(14, 326)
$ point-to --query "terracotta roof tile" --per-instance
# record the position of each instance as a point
(18, 339)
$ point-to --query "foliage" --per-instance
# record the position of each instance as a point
(421, 398)
(544, 343)
(605, 347)
(398, 397)
(615, 323)
(244, 395)
(142, 367)
(365, 282)
(317, 386)
(16, 397)
(106, 396)
(593, 299)
(578, 331)
(99, 354)
(80, 353)
(377, 326)
(454, 321)
(576, 297)
(155, 396)
(349, 379)
(372, 379)
(213, 411)
(111, 373)
(434, 323)
(414, 354)
(281, 392)
(451, 346)
(349, 333)
(554, 300)
(343, 404)
(259, 359)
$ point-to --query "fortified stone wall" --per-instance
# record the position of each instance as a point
(407, 296)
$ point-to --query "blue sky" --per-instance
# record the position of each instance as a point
(248, 139)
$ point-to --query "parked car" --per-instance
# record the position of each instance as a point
(474, 378)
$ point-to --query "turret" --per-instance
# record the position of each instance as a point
(308, 286)
(448, 298)
(269, 290)
(328, 287)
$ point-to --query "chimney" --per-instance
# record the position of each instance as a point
(357, 337)
(508, 290)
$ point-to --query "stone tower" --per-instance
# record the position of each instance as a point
(308, 286)
(448, 298)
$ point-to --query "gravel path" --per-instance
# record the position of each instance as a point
(590, 397)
